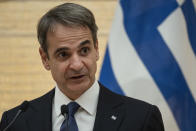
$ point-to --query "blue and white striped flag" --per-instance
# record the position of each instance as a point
(151, 55)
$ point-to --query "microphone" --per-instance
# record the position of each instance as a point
(64, 109)
(22, 108)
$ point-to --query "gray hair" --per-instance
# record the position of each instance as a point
(68, 14)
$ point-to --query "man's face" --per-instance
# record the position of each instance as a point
(72, 59)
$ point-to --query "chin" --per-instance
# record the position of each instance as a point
(80, 87)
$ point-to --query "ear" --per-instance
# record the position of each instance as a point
(97, 50)
(44, 59)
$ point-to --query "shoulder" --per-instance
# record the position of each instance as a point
(136, 104)
(33, 104)
(127, 101)
(40, 100)
(143, 114)
(131, 103)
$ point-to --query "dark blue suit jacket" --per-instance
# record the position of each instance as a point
(114, 113)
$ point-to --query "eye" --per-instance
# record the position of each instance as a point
(84, 51)
(62, 54)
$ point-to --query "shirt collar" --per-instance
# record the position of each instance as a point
(88, 100)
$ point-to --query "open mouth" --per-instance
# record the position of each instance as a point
(77, 77)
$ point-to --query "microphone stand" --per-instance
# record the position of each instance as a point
(23, 107)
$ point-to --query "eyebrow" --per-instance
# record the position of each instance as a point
(61, 49)
(84, 43)
(66, 48)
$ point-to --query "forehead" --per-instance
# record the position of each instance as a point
(60, 35)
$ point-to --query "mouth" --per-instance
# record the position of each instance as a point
(77, 77)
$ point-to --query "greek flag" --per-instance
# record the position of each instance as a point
(151, 55)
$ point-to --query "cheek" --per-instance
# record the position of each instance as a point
(58, 70)
(92, 66)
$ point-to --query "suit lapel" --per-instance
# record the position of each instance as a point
(109, 111)
(40, 116)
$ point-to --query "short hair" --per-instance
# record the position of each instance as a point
(67, 14)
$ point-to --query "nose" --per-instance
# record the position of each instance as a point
(76, 63)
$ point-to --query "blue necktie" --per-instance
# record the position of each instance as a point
(69, 124)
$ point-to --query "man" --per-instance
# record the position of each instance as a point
(69, 49)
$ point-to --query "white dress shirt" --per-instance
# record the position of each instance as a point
(85, 116)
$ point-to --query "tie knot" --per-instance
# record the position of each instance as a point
(72, 107)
